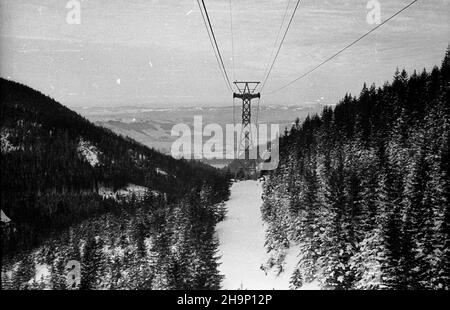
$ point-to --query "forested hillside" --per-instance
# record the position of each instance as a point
(76, 191)
(364, 188)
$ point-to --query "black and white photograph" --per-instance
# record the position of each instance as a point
(240, 146)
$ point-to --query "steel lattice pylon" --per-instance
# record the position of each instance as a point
(246, 94)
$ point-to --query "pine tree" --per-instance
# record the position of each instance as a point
(381, 191)
(296, 280)
(336, 272)
(58, 274)
(24, 274)
(310, 226)
(91, 264)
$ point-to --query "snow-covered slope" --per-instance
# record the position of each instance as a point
(241, 237)
(89, 152)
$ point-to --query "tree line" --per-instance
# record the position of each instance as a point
(143, 245)
(50, 191)
(363, 190)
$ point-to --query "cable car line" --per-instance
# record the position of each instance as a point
(279, 47)
(273, 52)
(277, 37)
(342, 50)
(214, 44)
(232, 56)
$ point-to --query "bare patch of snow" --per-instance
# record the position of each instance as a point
(89, 152)
(242, 238)
(311, 286)
(106, 192)
(132, 189)
(42, 273)
(6, 145)
(4, 218)
(160, 171)
(126, 193)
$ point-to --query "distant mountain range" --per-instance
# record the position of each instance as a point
(152, 126)
(51, 154)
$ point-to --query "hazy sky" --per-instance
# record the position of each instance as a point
(157, 52)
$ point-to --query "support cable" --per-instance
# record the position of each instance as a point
(232, 57)
(273, 52)
(232, 41)
(221, 63)
(277, 38)
(343, 49)
(281, 44)
(214, 49)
